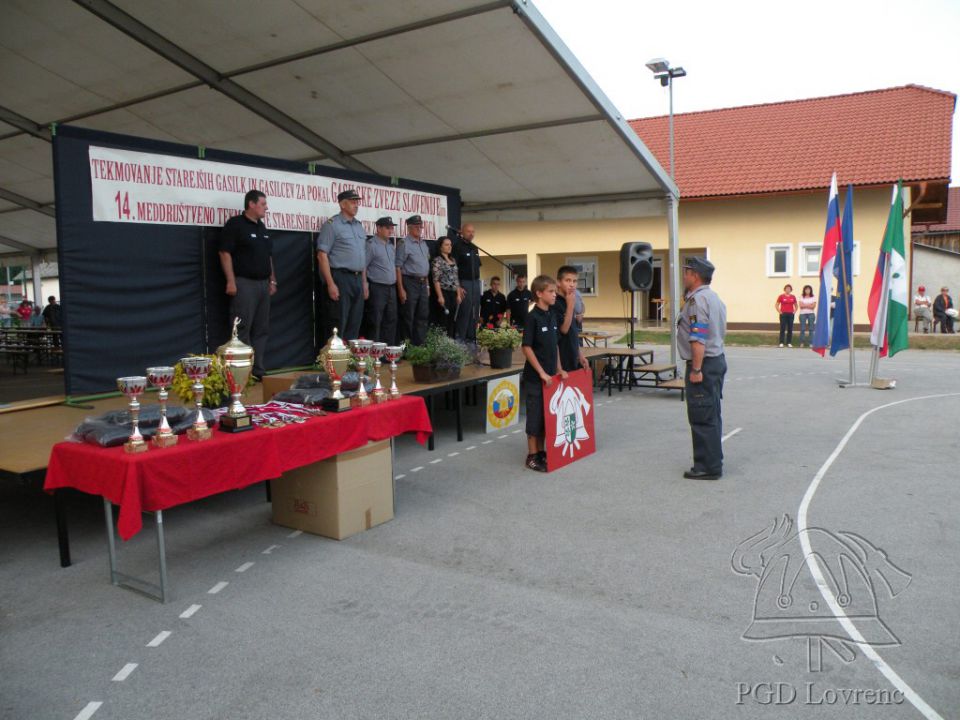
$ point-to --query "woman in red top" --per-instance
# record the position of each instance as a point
(786, 305)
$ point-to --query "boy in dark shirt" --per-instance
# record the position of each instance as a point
(518, 303)
(543, 362)
(493, 304)
(571, 356)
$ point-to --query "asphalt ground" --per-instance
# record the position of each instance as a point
(606, 589)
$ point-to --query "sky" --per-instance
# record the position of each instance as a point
(743, 52)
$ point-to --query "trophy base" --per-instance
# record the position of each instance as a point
(380, 397)
(164, 441)
(332, 404)
(199, 434)
(231, 424)
(357, 401)
(394, 394)
(135, 446)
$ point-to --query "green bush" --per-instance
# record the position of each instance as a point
(438, 350)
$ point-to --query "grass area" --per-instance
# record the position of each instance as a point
(760, 338)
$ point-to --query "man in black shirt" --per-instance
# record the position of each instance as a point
(468, 268)
(493, 304)
(571, 356)
(518, 302)
(246, 256)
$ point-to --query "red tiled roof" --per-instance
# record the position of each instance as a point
(869, 138)
(952, 222)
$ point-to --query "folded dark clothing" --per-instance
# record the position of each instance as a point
(303, 396)
(113, 428)
(311, 381)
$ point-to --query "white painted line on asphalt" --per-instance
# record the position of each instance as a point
(190, 611)
(730, 434)
(813, 564)
(217, 588)
(518, 430)
(453, 454)
(243, 568)
(89, 710)
(161, 636)
(124, 672)
(438, 460)
(270, 549)
(401, 476)
(295, 533)
(472, 447)
(501, 437)
(486, 442)
(418, 468)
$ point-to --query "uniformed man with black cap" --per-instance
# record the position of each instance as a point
(341, 254)
(413, 282)
(701, 327)
(382, 282)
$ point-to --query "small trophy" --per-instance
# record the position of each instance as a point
(236, 358)
(133, 387)
(361, 350)
(393, 353)
(197, 368)
(336, 361)
(376, 352)
(162, 377)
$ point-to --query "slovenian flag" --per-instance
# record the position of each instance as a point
(844, 272)
(888, 310)
(828, 256)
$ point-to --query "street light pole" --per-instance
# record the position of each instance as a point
(665, 74)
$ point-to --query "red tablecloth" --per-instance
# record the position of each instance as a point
(162, 478)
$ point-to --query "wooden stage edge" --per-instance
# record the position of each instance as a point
(27, 435)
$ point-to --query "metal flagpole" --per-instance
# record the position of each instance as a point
(876, 382)
(852, 382)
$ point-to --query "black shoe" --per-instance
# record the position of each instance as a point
(692, 474)
(535, 463)
(257, 378)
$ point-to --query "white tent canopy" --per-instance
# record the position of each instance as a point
(479, 96)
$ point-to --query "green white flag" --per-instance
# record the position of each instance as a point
(898, 297)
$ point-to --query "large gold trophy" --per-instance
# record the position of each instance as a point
(336, 361)
(236, 359)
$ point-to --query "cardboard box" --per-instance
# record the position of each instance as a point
(338, 497)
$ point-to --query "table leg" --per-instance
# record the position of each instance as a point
(430, 443)
(393, 472)
(162, 555)
(458, 405)
(266, 485)
(63, 535)
(129, 582)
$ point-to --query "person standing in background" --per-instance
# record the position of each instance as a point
(246, 257)
(446, 286)
(808, 306)
(468, 263)
(382, 284)
(413, 282)
(493, 304)
(342, 257)
(518, 302)
(786, 306)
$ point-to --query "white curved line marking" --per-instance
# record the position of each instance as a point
(898, 682)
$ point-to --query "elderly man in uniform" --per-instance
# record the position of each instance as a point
(413, 281)
(382, 282)
(701, 327)
(341, 253)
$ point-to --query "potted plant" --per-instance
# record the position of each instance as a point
(499, 341)
(439, 358)
(215, 392)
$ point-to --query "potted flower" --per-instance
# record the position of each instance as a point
(500, 341)
(439, 358)
(215, 392)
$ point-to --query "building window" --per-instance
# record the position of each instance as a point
(778, 260)
(809, 259)
(587, 279)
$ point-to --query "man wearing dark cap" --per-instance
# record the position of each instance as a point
(701, 327)
(382, 281)
(341, 254)
(413, 282)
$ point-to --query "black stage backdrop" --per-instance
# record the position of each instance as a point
(136, 295)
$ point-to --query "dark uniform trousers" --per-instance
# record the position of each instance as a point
(346, 314)
(703, 412)
(416, 310)
(382, 313)
(469, 312)
(252, 305)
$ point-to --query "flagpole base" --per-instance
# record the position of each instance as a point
(844, 383)
(883, 383)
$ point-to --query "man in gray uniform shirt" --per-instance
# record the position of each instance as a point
(341, 253)
(382, 281)
(413, 281)
(701, 327)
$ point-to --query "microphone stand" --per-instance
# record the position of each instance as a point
(507, 265)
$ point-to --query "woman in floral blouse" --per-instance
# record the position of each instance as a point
(446, 283)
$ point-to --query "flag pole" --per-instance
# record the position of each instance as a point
(852, 382)
(879, 383)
